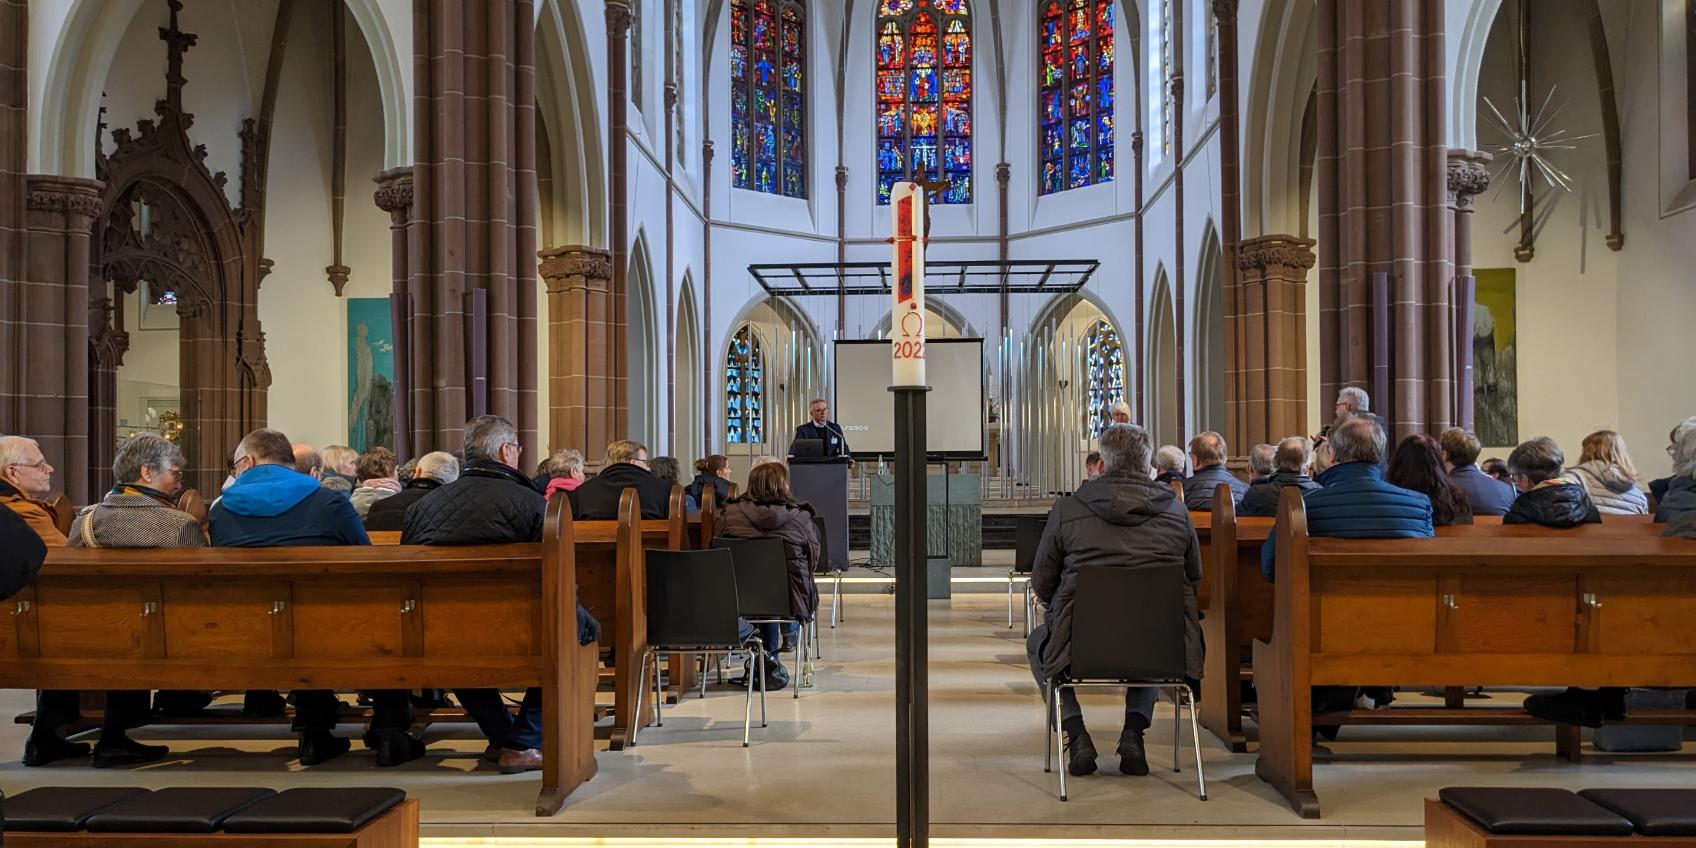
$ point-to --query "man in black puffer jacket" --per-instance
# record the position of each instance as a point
(626, 468)
(492, 503)
(1546, 497)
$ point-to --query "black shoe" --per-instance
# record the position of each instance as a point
(126, 752)
(1133, 760)
(321, 747)
(41, 750)
(1613, 704)
(1574, 706)
(259, 702)
(1327, 732)
(171, 704)
(394, 749)
(1080, 750)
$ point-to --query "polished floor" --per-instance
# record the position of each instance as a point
(824, 768)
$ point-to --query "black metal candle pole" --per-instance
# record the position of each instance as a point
(912, 687)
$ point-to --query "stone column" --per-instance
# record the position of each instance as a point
(1382, 191)
(1268, 365)
(54, 333)
(1469, 176)
(473, 227)
(618, 195)
(582, 389)
(394, 196)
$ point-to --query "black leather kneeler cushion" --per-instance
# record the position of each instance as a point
(177, 810)
(315, 811)
(1543, 812)
(1654, 812)
(62, 809)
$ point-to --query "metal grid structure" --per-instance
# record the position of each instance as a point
(942, 277)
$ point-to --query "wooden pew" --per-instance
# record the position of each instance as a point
(409, 617)
(612, 579)
(1236, 606)
(1609, 605)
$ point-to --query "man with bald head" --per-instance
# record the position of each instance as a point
(1207, 457)
(308, 461)
(1289, 468)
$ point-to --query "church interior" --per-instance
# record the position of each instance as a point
(552, 242)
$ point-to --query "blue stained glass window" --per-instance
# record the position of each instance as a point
(1105, 358)
(924, 96)
(1075, 93)
(744, 388)
(768, 90)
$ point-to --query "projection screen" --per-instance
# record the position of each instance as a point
(954, 408)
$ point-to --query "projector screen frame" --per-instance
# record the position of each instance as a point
(981, 455)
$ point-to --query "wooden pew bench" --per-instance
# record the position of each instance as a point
(1514, 817)
(351, 618)
(346, 817)
(1513, 605)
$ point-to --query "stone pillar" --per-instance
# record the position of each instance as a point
(474, 221)
(1382, 188)
(582, 388)
(1268, 364)
(618, 195)
(1469, 176)
(394, 196)
(54, 333)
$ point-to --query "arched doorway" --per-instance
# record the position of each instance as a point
(790, 372)
(1072, 374)
(1163, 365)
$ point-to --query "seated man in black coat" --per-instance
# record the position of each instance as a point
(434, 470)
(626, 468)
(1289, 468)
(491, 503)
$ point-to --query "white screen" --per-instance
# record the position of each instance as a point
(954, 407)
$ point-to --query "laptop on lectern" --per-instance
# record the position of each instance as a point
(805, 449)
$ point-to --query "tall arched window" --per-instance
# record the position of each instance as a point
(768, 91)
(1168, 68)
(744, 388)
(1075, 132)
(1104, 356)
(924, 96)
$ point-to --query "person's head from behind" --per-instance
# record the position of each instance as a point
(1684, 455)
(665, 467)
(1121, 413)
(714, 465)
(151, 461)
(1169, 460)
(1207, 450)
(1460, 448)
(378, 463)
(1291, 455)
(819, 409)
(1607, 447)
(263, 446)
(23, 467)
(628, 451)
(341, 459)
(572, 465)
(1126, 450)
(769, 483)
(1093, 465)
(1417, 464)
(1535, 462)
(1260, 459)
(1678, 432)
(407, 470)
(1352, 400)
(437, 465)
(553, 465)
(1323, 458)
(308, 461)
(1497, 467)
(1357, 439)
(491, 438)
(764, 460)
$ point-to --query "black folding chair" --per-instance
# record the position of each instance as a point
(692, 609)
(1027, 535)
(762, 590)
(1127, 633)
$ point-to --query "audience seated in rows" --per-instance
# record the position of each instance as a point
(1260, 462)
(1486, 494)
(570, 475)
(377, 479)
(1680, 497)
(341, 463)
(769, 510)
(1608, 476)
(1417, 465)
(1546, 496)
(626, 468)
(1289, 467)
(1122, 519)
(712, 471)
(1169, 464)
(491, 503)
(1207, 457)
(267, 505)
(1658, 488)
(26, 479)
(430, 472)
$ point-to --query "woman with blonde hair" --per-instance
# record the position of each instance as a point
(1604, 467)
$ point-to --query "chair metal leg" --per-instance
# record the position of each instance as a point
(762, 669)
(1195, 736)
(1059, 743)
(1048, 736)
(659, 695)
(1009, 601)
(800, 675)
(705, 658)
(1028, 606)
(641, 675)
(1177, 716)
(748, 711)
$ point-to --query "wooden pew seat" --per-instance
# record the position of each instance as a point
(351, 817)
(1514, 817)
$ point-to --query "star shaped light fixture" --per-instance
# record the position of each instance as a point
(1528, 142)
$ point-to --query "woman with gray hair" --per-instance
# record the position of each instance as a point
(1680, 499)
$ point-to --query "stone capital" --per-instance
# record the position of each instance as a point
(394, 192)
(66, 195)
(1225, 10)
(561, 264)
(618, 18)
(1469, 175)
(1276, 255)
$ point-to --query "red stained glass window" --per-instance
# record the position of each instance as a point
(1075, 93)
(768, 91)
(923, 87)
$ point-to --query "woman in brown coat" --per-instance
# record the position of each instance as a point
(769, 509)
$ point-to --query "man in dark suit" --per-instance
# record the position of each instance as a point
(824, 429)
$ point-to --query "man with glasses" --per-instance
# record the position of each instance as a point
(491, 503)
(825, 430)
(626, 468)
(25, 481)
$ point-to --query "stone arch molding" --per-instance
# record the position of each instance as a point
(79, 57)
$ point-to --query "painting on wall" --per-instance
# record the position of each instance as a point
(1495, 381)
(371, 373)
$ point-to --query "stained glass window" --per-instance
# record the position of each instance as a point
(1105, 358)
(1168, 67)
(744, 388)
(678, 63)
(1075, 105)
(768, 91)
(924, 96)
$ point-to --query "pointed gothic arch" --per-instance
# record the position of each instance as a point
(1162, 359)
(642, 348)
(1209, 334)
(691, 408)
